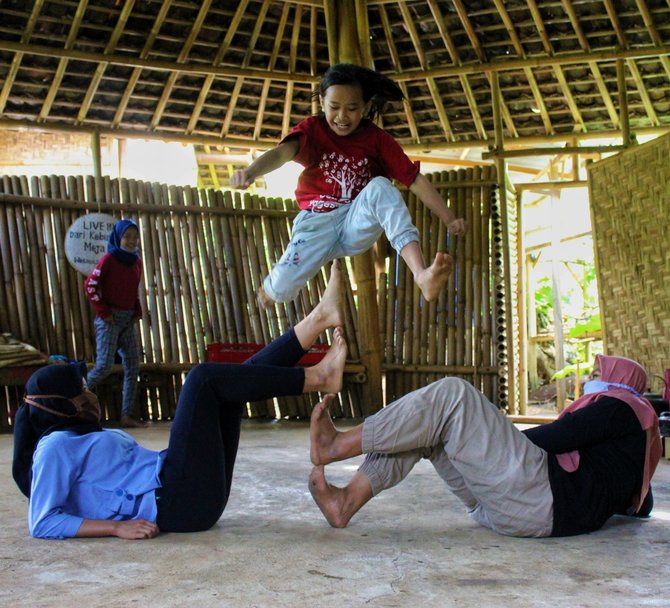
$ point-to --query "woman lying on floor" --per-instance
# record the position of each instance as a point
(564, 478)
(86, 481)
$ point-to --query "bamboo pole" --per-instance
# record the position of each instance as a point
(161, 259)
(187, 279)
(475, 229)
(56, 297)
(200, 316)
(486, 328)
(218, 254)
(17, 283)
(52, 345)
(153, 350)
(231, 251)
(215, 291)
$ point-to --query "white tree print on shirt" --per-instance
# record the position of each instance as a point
(347, 174)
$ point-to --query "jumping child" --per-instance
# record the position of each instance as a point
(112, 290)
(344, 192)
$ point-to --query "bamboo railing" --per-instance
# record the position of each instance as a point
(205, 253)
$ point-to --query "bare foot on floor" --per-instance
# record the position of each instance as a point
(329, 310)
(322, 432)
(329, 498)
(432, 280)
(328, 372)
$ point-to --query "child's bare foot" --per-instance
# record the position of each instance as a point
(326, 375)
(328, 311)
(322, 433)
(329, 498)
(432, 280)
(264, 300)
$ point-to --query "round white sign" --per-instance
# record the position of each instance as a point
(86, 240)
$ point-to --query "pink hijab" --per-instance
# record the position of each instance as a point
(631, 374)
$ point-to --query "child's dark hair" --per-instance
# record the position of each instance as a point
(377, 88)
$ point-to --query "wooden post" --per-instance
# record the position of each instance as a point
(349, 51)
(502, 193)
(556, 296)
(97, 155)
(623, 102)
(521, 297)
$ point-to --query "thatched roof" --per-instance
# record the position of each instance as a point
(233, 76)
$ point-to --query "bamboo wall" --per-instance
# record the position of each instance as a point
(205, 253)
(630, 210)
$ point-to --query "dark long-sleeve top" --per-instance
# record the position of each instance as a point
(611, 445)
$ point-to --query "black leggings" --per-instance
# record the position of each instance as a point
(198, 470)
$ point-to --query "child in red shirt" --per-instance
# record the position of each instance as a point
(345, 192)
(112, 290)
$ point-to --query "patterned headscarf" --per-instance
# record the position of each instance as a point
(626, 380)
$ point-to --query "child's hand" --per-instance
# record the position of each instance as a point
(240, 180)
(457, 227)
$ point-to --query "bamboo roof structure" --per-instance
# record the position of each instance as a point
(233, 77)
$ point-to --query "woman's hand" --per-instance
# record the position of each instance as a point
(132, 529)
(136, 529)
(240, 180)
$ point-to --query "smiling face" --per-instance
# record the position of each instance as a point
(344, 108)
(130, 239)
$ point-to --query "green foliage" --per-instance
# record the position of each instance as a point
(582, 329)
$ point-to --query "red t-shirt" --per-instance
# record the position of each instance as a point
(113, 284)
(338, 167)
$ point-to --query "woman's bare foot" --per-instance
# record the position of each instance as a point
(322, 433)
(326, 375)
(339, 505)
(329, 498)
(432, 280)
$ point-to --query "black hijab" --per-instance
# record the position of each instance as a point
(48, 406)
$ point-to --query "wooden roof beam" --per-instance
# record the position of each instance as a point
(135, 76)
(293, 56)
(181, 58)
(233, 72)
(245, 62)
(62, 64)
(271, 65)
(535, 89)
(101, 67)
(653, 33)
(264, 144)
(584, 43)
(220, 54)
(453, 53)
(18, 57)
(393, 51)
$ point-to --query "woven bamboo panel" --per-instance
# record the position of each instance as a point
(630, 206)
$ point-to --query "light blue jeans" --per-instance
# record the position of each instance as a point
(318, 238)
(499, 474)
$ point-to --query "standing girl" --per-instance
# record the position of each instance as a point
(112, 290)
(345, 192)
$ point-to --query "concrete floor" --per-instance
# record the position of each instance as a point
(412, 546)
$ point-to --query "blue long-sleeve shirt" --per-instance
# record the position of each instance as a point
(103, 475)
